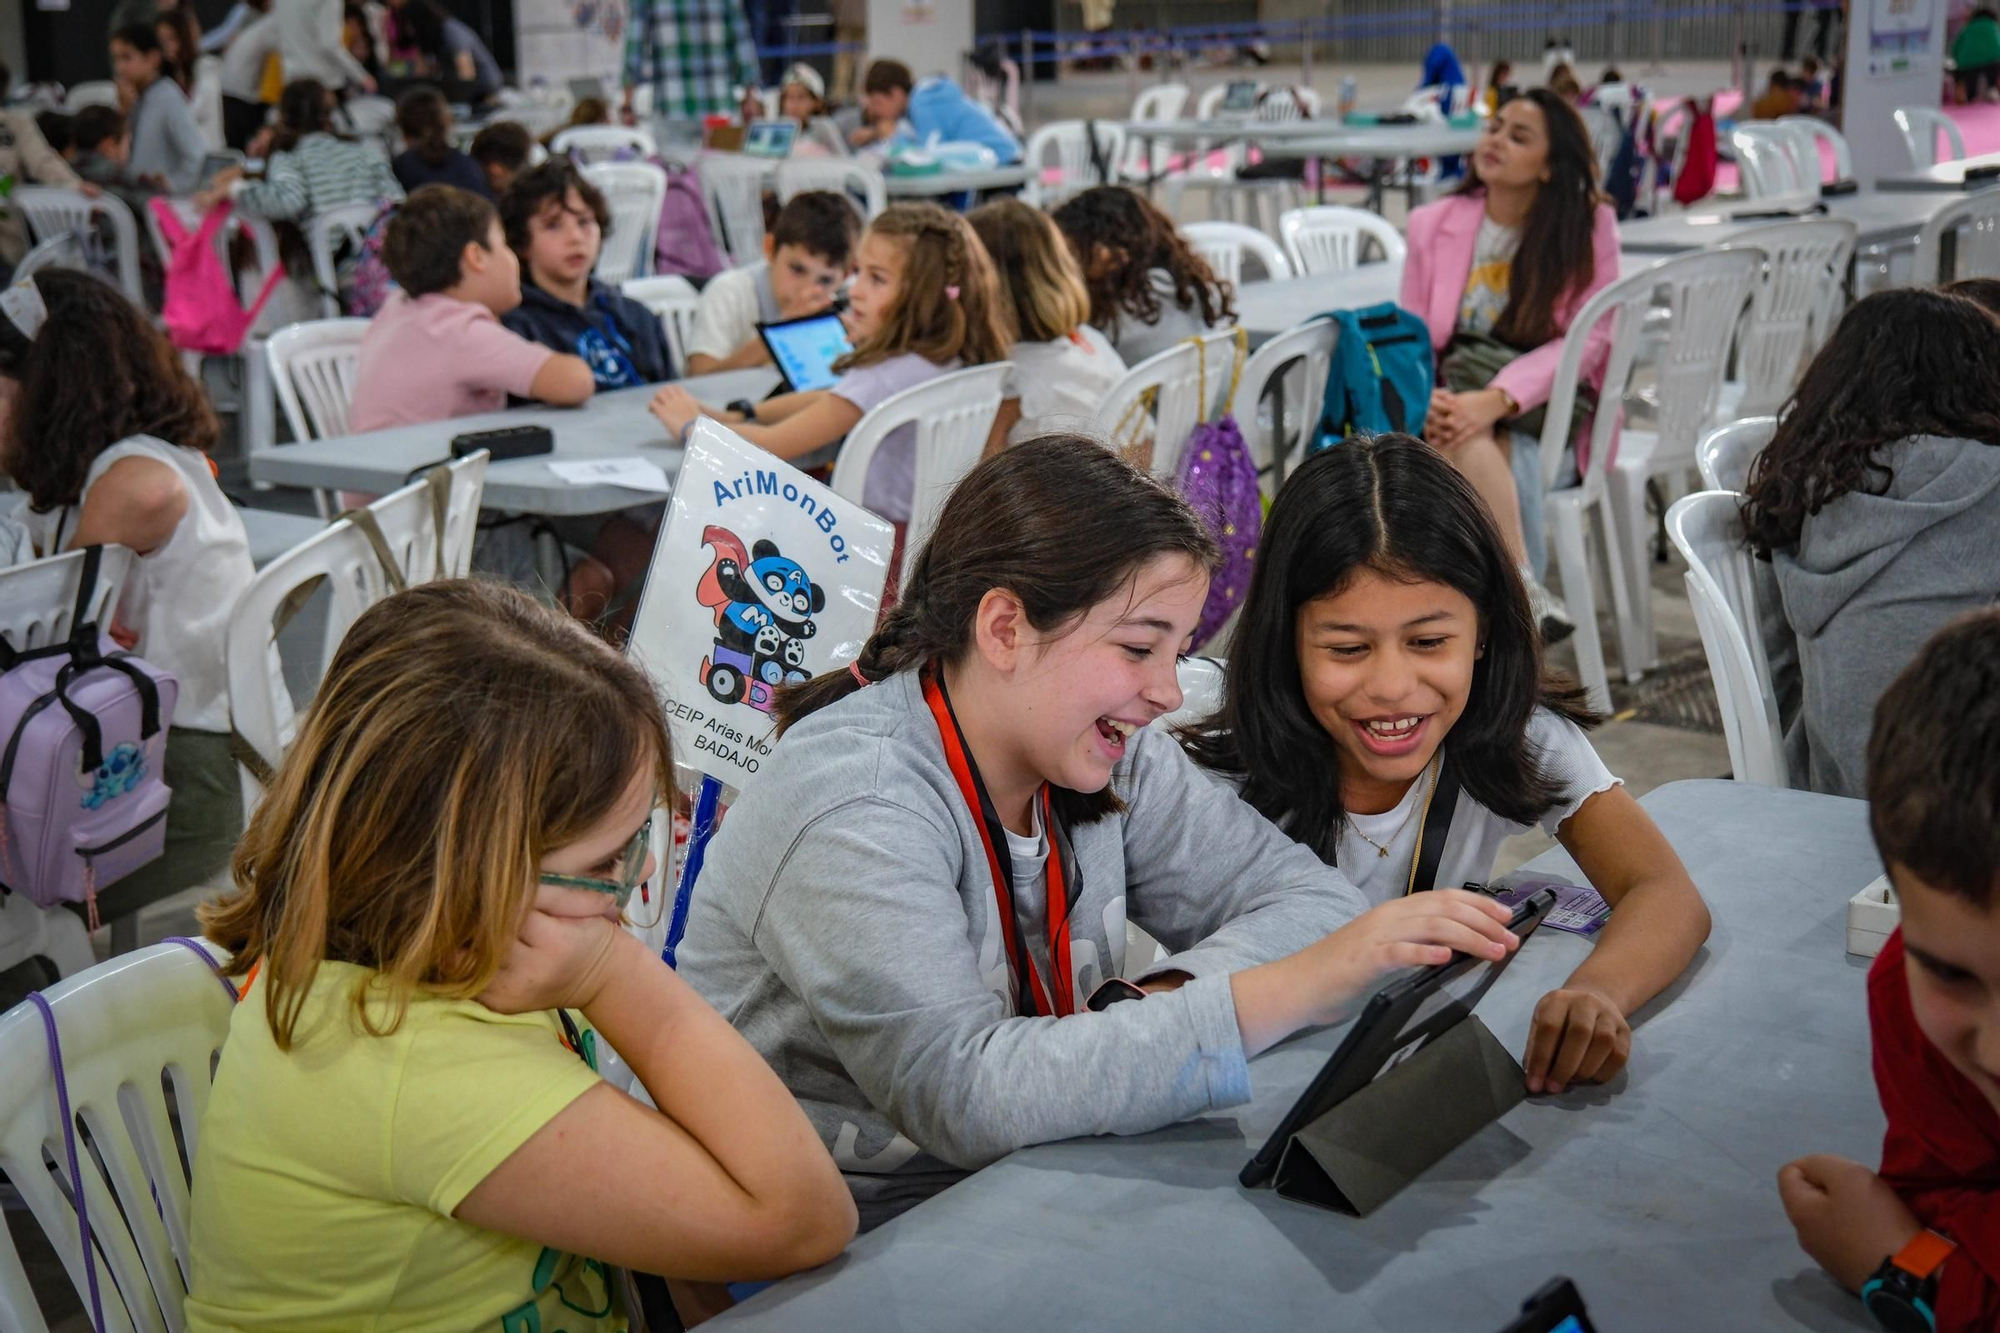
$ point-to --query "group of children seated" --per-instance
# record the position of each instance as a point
(907, 954)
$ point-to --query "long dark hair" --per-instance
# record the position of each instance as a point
(145, 39)
(96, 372)
(1121, 219)
(423, 117)
(1393, 506)
(305, 107)
(1910, 361)
(187, 34)
(1555, 255)
(1062, 522)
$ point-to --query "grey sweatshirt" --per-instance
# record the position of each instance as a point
(165, 140)
(846, 924)
(1872, 578)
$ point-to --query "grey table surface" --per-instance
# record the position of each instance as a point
(951, 182)
(1881, 219)
(1656, 1192)
(1948, 177)
(1331, 136)
(610, 425)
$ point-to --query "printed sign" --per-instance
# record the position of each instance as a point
(762, 577)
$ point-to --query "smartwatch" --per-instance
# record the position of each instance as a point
(1902, 1295)
(1115, 990)
(746, 407)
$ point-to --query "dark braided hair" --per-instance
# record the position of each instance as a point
(940, 252)
(1139, 238)
(1911, 361)
(1061, 522)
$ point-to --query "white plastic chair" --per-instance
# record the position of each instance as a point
(312, 366)
(1767, 162)
(1223, 245)
(857, 179)
(676, 302)
(54, 211)
(1174, 383)
(1293, 365)
(1727, 452)
(953, 415)
(1706, 294)
(1804, 270)
(1329, 238)
(636, 192)
(139, 1035)
(324, 233)
(732, 186)
(369, 117)
(1163, 101)
(1201, 681)
(1707, 529)
(205, 100)
(1817, 132)
(91, 92)
(1975, 221)
(1920, 127)
(37, 603)
(1069, 144)
(599, 143)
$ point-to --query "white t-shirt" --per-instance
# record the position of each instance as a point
(177, 599)
(1030, 857)
(1491, 278)
(732, 305)
(1476, 832)
(1062, 383)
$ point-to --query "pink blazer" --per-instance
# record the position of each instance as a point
(1441, 238)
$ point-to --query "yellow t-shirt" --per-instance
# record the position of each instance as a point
(325, 1178)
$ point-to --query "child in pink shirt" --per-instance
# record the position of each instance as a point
(438, 350)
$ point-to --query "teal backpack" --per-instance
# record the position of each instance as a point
(1380, 378)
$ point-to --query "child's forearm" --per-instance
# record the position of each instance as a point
(773, 410)
(749, 355)
(1649, 940)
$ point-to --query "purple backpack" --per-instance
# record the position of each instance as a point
(83, 738)
(1218, 479)
(685, 245)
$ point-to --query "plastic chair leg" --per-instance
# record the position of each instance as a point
(1617, 578)
(1566, 526)
(1626, 490)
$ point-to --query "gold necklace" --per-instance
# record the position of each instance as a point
(1381, 848)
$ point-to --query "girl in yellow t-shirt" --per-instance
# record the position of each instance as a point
(407, 1127)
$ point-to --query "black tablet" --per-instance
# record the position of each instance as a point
(1556, 1308)
(1398, 1020)
(805, 349)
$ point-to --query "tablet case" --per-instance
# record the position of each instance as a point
(1362, 1152)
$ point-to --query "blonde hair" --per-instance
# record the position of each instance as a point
(940, 252)
(462, 732)
(1040, 287)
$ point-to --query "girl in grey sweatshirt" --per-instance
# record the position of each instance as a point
(917, 911)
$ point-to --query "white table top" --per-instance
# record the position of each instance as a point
(1945, 176)
(1657, 1193)
(1881, 218)
(610, 425)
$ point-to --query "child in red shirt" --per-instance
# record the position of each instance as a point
(1921, 1240)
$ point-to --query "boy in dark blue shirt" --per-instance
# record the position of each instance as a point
(556, 221)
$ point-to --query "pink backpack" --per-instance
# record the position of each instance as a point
(201, 311)
(685, 246)
(83, 739)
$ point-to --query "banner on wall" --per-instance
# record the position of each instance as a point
(761, 577)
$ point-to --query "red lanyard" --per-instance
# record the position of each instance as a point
(993, 835)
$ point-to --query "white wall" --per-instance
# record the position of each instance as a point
(1895, 57)
(930, 36)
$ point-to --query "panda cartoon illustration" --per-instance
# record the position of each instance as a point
(763, 602)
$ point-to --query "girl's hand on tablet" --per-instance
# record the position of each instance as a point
(1579, 1036)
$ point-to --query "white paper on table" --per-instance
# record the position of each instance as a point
(634, 474)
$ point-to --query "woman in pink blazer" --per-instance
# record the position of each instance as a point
(1513, 256)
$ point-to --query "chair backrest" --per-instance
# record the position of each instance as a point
(1163, 101)
(139, 1035)
(64, 251)
(858, 179)
(1068, 143)
(408, 520)
(1802, 261)
(1210, 102)
(676, 302)
(1768, 162)
(1201, 681)
(732, 187)
(1329, 238)
(38, 599)
(1920, 127)
(1287, 104)
(54, 211)
(1176, 385)
(91, 92)
(313, 368)
(324, 233)
(1291, 368)
(205, 100)
(636, 192)
(1223, 245)
(1975, 222)
(953, 414)
(1707, 529)
(369, 117)
(599, 143)
(1817, 132)
(1726, 453)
